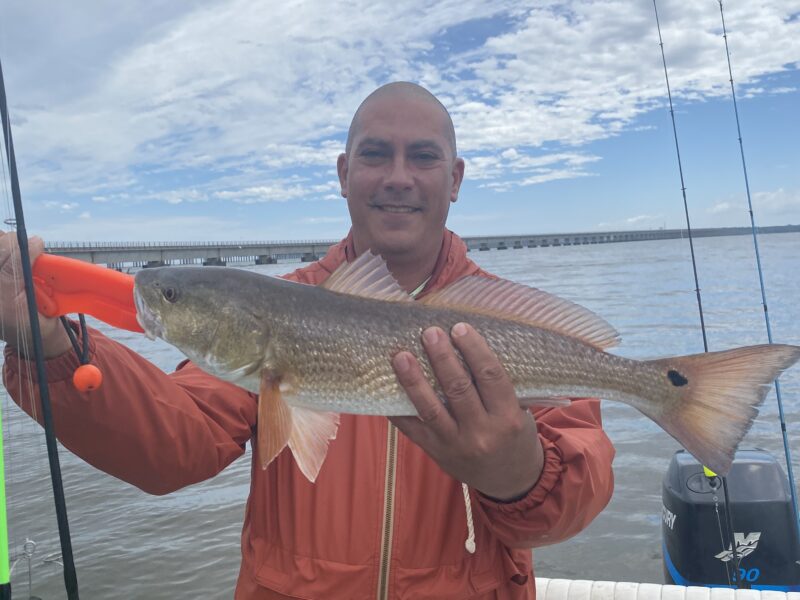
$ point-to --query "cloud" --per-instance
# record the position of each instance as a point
(180, 196)
(720, 207)
(228, 100)
(780, 202)
(513, 160)
(541, 176)
(323, 220)
(184, 228)
(642, 219)
(285, 156)
(634, 222)
(582, 71)
(264, 193)
(232, 81)
(519, 169)
(777, 202)
(61, 206)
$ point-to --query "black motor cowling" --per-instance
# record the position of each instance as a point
(764, 524)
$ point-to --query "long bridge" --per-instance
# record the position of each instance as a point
(123, 255)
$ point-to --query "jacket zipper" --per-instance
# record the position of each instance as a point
(388, 513)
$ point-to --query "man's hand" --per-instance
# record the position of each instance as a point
(15, 328)
(481, 436)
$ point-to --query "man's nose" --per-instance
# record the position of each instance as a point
(399, 176)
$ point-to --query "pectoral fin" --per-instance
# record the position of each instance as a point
(274, 420)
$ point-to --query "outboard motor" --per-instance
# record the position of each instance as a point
(764, 524)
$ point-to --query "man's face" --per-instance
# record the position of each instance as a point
(400, 176)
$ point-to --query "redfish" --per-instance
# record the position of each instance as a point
(312, 352)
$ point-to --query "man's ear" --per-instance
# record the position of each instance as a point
(341, 169)
(458, 176)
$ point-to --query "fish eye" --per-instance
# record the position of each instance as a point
(170, 294)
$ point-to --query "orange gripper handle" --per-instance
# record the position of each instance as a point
(65, 285)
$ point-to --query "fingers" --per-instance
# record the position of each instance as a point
(432, 413)
(10, 252)
(14, 322)
(456, 382)
(7, 241)
(491, 380)
(35, 247)
(471, 393)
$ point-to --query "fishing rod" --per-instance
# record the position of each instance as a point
(786, 449)
(70, 576)
(710, 474)
(5, 563)
(5, 560)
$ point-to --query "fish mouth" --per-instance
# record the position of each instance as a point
(147, 319)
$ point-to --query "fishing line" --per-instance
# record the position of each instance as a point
(728, 516)
(714, 483)
(786, 449)
(21, 435)
(6, 566)
(70, 576)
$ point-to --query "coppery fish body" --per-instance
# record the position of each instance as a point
(336, 351)
(329, 351)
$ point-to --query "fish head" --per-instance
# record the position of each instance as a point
(207, 313)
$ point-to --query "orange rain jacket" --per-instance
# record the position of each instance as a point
(362, 531)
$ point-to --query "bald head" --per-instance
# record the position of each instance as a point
(403, 89)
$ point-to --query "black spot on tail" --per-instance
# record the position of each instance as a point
(676, 378)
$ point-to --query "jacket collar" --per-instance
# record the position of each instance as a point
(451, 264)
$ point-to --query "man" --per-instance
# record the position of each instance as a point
(389, 515)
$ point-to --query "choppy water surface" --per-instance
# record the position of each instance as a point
(186, 545)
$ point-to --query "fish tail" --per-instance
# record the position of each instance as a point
(718, 397)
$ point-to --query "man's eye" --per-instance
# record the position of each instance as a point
(372, 153)
(425, 156)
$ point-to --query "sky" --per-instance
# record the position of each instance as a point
(221, 120)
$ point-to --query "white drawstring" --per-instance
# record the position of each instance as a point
(469, 544)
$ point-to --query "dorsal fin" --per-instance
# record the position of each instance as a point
(517, 302)
(368, 277)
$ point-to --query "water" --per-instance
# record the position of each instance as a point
(184, 545)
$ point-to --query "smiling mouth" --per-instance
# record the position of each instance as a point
(396, 209)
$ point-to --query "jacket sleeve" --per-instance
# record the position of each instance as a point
(156, 431)
(576, 481)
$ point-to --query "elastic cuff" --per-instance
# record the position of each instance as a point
(551, 473)
(59, 368)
